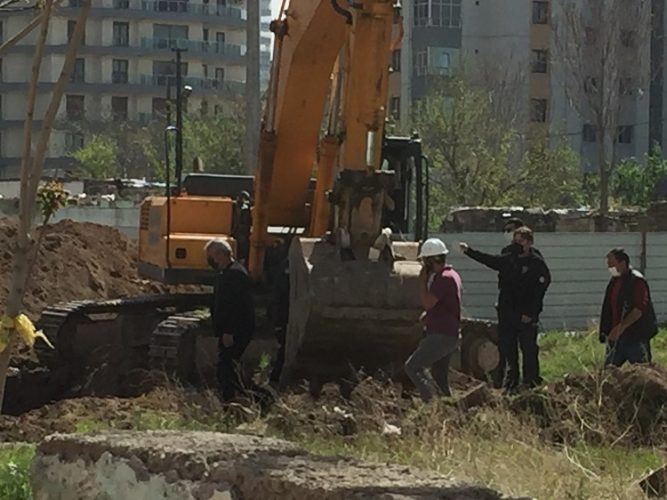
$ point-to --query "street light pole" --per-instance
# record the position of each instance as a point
(179, 118)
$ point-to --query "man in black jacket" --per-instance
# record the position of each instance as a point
(233, 315)
(628, 321)
(524, 279)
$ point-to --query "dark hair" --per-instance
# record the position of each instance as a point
(620, 255)
(515, 222)
(525, 232)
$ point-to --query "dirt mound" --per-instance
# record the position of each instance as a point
(621, 406)
(373, 405)
(77, 260)
(167, 406)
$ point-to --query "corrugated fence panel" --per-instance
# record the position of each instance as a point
(656, 271)
(578, 266)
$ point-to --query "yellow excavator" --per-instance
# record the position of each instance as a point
(354, 301)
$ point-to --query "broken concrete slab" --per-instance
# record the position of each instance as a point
(211, 466)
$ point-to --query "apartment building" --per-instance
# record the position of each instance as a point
(430, 47)
(511, 43)
(123, 67)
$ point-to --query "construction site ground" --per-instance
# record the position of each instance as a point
(587, 433)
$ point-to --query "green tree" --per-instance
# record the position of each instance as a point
(634, 182)
(469, 149)
(218, 140)
(114, 148)
(99, 157)
(476, 157)
(549, 175)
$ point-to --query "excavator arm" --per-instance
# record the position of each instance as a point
(341, 51)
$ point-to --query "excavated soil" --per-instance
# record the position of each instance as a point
(77, 261)
(621, 406)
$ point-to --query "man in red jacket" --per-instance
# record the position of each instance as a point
(628, 321)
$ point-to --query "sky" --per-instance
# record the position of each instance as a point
(275, 7)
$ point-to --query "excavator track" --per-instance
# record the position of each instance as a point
(174, 344)
(55, 317)
(99, 344)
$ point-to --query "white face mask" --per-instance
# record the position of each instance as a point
(615, 273)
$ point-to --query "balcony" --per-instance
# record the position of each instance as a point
(192, 46)
(188, 8)
(195, 83)
(161, 9)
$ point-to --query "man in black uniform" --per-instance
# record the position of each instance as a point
(233, 315)
(524, 279)
(511, 225)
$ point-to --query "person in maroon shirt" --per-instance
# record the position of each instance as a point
(440, 293)
(628, 321)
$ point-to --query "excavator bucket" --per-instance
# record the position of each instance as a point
(350, 315)
(347, 316)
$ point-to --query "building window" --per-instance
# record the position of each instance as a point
(540, 61)
(71, 26)
(204, 108)
(204, 68)
(625, 133)
(217, 109)
(538, 110)
(421, 62)
(432, 61)
(2, 32)
(159, 107)
(119, 73)
(540, 12)
(205, 34)
(220, 75)
(441, 13)
(121, 34)
(121, 4)
(165, 72)
(119, 108)
(170, 6)
(220, 37)
(396, 60)
(79, 71)
(73, 141)
(74, 107)
(167, 36)
(395, 107)
(628, 38)
(588, 133)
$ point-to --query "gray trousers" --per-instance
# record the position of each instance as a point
(434, 352)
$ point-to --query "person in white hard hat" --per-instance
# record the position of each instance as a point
(440, 289)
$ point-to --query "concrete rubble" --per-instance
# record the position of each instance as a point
(214, 466)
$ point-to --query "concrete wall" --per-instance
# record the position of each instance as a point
(126, 220)
(578, 270)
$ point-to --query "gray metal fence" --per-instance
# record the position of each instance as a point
(578, 270)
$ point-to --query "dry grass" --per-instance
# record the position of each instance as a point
(585, 438)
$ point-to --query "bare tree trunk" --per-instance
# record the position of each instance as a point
(253, 104)
(31, 172)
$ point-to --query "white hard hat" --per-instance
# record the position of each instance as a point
(432, 248)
